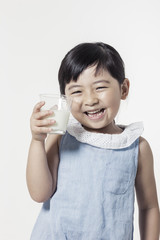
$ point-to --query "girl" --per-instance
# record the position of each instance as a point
(86, 178)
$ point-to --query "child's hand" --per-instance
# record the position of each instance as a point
(39, 124)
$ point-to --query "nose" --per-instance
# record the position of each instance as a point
(91, 99)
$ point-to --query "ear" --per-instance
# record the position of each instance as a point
(125, 88)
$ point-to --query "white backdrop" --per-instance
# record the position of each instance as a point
(34, 37)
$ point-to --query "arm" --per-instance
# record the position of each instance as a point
(149, 217)
(42, 164)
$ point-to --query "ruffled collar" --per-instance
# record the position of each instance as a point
(111, 141)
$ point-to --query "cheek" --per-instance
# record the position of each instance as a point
(76, 104)
(116, 100)
(77, 101)
(112, 99)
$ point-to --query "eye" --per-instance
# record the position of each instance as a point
(102, 87)
(76, 92)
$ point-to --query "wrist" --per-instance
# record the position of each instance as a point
(39, 137)
(38, 140)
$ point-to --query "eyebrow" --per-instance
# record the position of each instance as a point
(102, 81)
(74, 86)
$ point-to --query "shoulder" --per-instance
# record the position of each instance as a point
(145, 157)
(144, 147)
(143, 143)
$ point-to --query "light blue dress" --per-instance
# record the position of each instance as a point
(95, 190)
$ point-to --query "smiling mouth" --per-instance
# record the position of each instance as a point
(97, 114)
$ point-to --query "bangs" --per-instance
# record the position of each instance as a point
(81, 59)
(87, 55)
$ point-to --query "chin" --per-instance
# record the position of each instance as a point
(94, 127)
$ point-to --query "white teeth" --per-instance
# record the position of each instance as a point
(94, 112)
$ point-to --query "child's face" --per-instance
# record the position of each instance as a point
(95, 100)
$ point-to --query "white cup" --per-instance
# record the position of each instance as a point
(61, 111)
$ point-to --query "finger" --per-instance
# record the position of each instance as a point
(38, 106)
(42, 114)
(44, 122)
(41, 130)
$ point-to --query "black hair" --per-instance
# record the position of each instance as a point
(102, 55)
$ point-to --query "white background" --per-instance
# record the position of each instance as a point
(34, 37)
